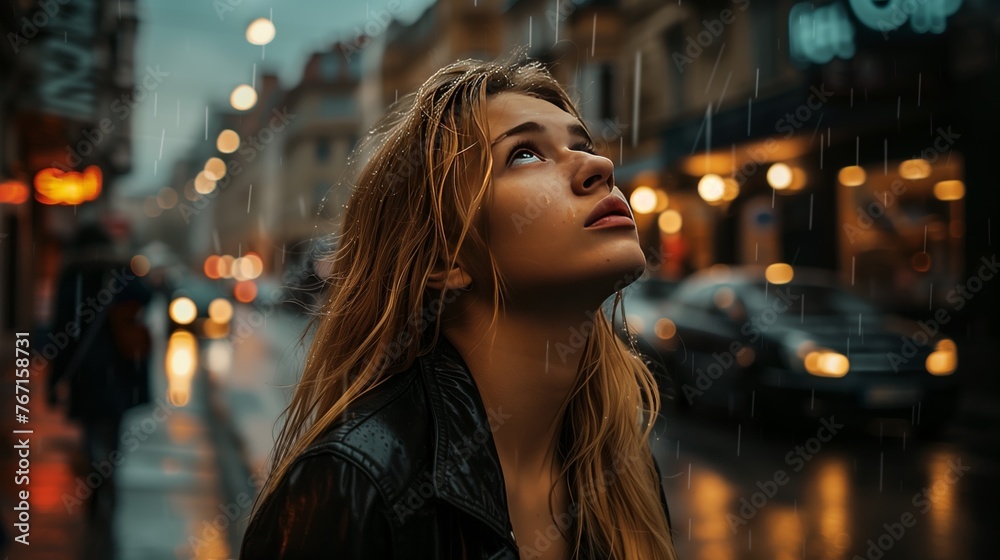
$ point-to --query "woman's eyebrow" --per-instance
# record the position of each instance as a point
(531, 126)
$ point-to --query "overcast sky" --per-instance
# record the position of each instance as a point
(202, 45)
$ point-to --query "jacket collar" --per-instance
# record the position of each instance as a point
(466, 467)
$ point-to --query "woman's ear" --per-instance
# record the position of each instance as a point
(453, 279)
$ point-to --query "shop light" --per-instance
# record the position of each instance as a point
(949, 190)
(852, 176)
(670, 221)
(243, 98)
(643, 200)
(779, 273)
(13, 192)
(944, 359)
(730, 189)
(54, 186)
(779, 176)
(914, 169)
(711, 188)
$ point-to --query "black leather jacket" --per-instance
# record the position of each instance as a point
(410, 472)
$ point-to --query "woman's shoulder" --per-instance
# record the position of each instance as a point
(387, 433)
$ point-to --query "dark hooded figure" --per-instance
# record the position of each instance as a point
(105, 361)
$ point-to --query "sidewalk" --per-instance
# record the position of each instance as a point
(169, 499)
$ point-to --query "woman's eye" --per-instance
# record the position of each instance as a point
(521, 156)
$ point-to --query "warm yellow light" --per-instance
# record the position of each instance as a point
(139, 265)
(254, 265)
(181, 363)
(730, 189)
(779, 273)
(665, 329)
(220, 310)
(215, 169)
(852, 176)
(13, 192)
(914, 169)
(670, 221)
(779, 176)
(643, 200)
(245, 291)
(228, 141)
(662, 200)
(944, 359)
(827, 363)
(711, 187)
(949, 190)
(183, 311)
(167, 198)
(54, 186)
(226, 266)
(260, 31)
(243, 98)
(211, 267)
(203, 184)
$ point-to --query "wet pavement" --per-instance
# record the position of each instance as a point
(738, 489)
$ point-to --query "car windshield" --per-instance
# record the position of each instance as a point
(817, 300)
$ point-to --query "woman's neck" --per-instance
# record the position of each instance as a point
(526, 367)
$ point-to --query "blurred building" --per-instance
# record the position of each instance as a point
(68, 88)
(268, 179)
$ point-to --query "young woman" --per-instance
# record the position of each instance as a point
(464, 395)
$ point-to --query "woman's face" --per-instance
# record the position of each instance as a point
(546, 182)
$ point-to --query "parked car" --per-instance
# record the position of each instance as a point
(726, 338)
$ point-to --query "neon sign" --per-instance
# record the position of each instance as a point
(819, 33)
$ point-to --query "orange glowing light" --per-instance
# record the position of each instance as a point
(53, 186)
(212, 267)
(245, 291)
(13, 192)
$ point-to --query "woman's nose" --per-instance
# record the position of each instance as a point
(595, 171)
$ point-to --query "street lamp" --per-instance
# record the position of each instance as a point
(260, 31)
(243, 98)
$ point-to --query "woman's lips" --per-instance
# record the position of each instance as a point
(613, 220)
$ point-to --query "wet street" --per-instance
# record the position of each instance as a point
(816, 490)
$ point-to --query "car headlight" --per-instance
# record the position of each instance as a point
(183, 311)
(944, 359)
(823, 362)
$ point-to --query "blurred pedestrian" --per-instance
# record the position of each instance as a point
(465, 396)
(105, 361)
